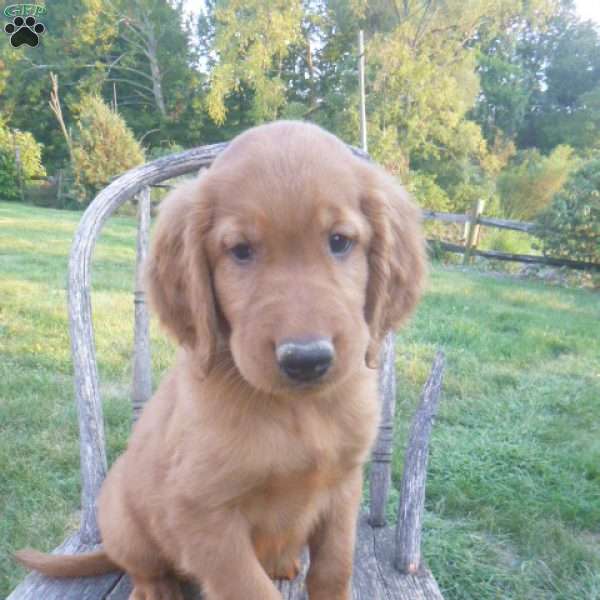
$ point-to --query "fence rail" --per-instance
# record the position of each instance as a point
(473, 220)
(487, 221)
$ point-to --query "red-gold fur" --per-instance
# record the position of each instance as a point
(231, 468)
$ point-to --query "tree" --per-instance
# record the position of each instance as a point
(76, 49)
(251, 40)
(423, 85)
(566, 58)
(506, 87)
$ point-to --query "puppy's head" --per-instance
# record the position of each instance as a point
(294, 254)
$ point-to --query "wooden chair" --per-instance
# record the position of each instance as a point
(388, 562)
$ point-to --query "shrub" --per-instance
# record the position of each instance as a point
(9, 188)
(570, 227)
(511, 242)
(527, 186)
(427, 192)
(30, 153)
(103, 147)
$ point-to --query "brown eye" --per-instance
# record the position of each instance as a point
(339, 244)
(242, 252)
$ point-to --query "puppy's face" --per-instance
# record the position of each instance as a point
(288, 252)
(293, 258)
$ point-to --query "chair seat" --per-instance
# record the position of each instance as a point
(374, 576)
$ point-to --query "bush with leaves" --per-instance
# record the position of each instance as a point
(527, 186)
(30, 154)
(570, 227)
(427, 192)
(103, 147)
(9, 184)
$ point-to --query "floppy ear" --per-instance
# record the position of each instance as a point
(177, 273)
(396, 257)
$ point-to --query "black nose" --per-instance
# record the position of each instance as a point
(305, 360)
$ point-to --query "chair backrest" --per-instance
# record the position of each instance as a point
(137, 182)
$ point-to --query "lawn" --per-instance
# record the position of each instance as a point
(513, 497)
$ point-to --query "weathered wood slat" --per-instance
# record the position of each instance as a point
(430, 215)
(38, 587)
(122, 590)
(366, 582)
(524, 258)
(376, 578)
(523, 226)
(141, 388)
(381, 467)
(398, 586)
(412, 490)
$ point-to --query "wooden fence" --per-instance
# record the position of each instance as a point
(474, 220)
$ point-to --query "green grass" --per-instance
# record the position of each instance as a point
(513, 497)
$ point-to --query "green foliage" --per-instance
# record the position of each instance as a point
(425, 83)
(30, 151)
(422, 94)
(103, 147)
(428, 193)
(29, 155)
(76, 46)
(252, 39)
(454, 88)
(501, 240)
(9, 187)
(505, 89)
(570, 228)
(164, 150)
(528, 185)
(563, 66)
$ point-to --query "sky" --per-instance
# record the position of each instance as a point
(589, 9)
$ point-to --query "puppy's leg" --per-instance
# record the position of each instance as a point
(221, 557)
(332, 545)
(133, 549)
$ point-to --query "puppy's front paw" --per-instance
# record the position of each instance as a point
(159, 589)
(285, 569)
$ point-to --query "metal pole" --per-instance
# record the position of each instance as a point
(361, 77)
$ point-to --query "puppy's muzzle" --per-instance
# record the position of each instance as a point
(305, 360)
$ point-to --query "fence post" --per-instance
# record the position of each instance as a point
(473, 230)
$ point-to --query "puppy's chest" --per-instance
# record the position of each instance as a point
(309, 458)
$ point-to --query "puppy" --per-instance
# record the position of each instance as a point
(278, 271)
